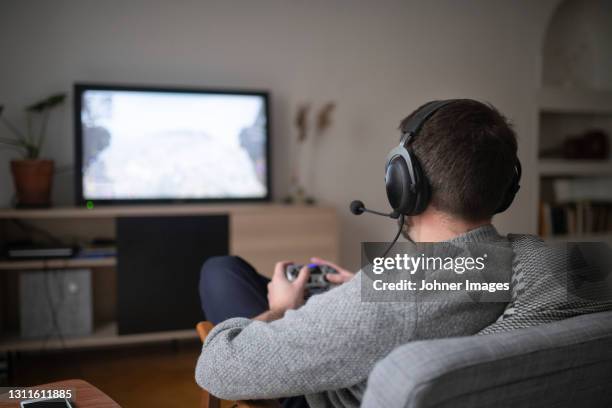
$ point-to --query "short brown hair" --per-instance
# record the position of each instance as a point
(468, 152)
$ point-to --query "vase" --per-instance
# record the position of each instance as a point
(33, 179)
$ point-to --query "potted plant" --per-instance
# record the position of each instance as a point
(32, 175)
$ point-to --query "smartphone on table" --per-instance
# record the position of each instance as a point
(47, 403)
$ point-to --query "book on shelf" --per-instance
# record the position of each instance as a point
(575, 218)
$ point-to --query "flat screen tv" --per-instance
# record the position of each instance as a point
(149, 144)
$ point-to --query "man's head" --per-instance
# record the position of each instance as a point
(467, 150)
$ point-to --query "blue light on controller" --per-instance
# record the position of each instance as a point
(312, 265)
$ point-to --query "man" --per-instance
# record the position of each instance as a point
(325, 349)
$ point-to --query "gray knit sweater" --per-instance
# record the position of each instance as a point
(326, 349)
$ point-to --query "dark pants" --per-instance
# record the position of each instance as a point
(231, 287)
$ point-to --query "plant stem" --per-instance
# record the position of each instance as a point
(12, 142)
(42, 134)
(33, 152)
(13, 129)
(29, 126)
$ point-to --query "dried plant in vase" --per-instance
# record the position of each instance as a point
(303, 158)
(32, 175)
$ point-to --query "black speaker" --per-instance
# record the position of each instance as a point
(158, 268)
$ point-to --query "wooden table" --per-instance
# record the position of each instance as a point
(86, 395)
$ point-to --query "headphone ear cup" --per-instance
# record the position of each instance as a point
(399, 185)
(514, 187)
(422, 189)
(508, 197)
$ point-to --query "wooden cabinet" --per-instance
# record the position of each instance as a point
(260, 233)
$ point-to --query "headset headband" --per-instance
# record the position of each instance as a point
(414, 125)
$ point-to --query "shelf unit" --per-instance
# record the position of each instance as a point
(112, 211)
(105, 334)
(68, 263)
(262, 233)
(564, 112)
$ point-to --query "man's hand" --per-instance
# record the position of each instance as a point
(339, 278)
(284, 295)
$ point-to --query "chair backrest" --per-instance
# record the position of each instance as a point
(561, 364)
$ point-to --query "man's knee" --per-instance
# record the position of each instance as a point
(218, 267)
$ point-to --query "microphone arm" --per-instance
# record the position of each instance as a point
(358, 207)
(392, 215)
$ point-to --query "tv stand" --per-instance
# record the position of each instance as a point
(261, 233)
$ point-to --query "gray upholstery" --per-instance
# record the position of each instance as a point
(561, 364)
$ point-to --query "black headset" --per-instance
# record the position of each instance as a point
(408, 189)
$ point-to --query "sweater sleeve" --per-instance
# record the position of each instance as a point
(332, 342)
(300, 353)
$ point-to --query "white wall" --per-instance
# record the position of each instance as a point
(378, 60)
(577, 49)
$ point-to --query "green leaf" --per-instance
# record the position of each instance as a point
(56, 99)
(37, 107)
(47, 103)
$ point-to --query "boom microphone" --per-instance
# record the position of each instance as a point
(358, 207)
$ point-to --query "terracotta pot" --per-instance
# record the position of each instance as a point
(33, 180)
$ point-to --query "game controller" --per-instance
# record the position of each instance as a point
(317, 282)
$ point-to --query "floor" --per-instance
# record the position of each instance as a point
(160, 375)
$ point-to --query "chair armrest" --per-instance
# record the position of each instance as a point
(203, 328)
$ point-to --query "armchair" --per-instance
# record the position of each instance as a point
(210, 401)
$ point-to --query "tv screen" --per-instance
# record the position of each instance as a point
(139, 144)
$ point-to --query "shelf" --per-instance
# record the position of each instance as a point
(549, 167)
(70, 263)
(103, 335)
(567, 100)
(151, 210)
